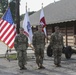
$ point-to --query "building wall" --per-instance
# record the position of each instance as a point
(68, 35)
(67, 31)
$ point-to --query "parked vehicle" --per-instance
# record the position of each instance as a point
(68, 51)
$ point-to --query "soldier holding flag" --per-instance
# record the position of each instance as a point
(21, 45)
(39, 45)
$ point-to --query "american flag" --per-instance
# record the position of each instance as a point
(7, 29)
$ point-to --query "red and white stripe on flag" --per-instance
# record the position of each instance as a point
(42, 21)
(7, 33)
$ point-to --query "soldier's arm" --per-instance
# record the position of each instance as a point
(34, 39)
(16, 43)
(26, 42)
(30, 45)
(45, 38)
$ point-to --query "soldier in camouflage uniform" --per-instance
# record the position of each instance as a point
(21, 44)
(56, 43)
(39, 45)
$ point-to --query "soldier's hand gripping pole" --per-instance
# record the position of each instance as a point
(30, 45)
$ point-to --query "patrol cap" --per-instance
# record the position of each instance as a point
(21, 28)
(56, 27)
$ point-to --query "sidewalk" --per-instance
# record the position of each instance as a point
(11, 68)
(3, 48)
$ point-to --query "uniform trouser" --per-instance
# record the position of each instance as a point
(22, 57)
(39, 53)
(57, 56)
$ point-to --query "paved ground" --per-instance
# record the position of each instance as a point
(11, 68)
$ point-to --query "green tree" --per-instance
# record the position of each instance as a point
(12, 4)
(3, 5)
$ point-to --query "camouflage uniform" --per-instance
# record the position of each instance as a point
(56, 43)
(21, 44)
(39, 45)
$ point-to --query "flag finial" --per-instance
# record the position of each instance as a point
(42, 5)
(8, 3)
(54, 1)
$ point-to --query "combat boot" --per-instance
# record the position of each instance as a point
(58, 65)
(41, 67)
(23, 68)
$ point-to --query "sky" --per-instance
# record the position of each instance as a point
(33, 5)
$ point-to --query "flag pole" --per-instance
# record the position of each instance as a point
(6, 10)
(30, 45)
(7, 46)
(42, 5)
(26, 6)
(45, 36)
